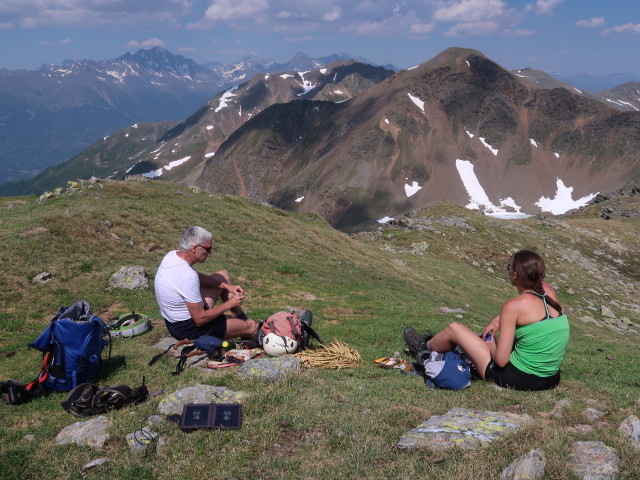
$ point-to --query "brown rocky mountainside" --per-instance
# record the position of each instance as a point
(202, 133)
(458, 127)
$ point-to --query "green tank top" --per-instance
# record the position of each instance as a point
(539, 347)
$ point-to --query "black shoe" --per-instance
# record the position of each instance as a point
(412, 340)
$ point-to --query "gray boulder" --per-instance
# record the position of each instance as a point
(462, 428)
(92, 433)
(270, 369)
(593, 461)
(630, 428)
(173, 403)
(131, 278)
(529, 466)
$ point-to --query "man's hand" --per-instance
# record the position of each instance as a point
(235, 301)
(235, 289)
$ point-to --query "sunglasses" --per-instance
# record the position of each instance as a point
(508, 266)
(208, 249)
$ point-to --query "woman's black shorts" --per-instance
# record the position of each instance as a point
(511, 377)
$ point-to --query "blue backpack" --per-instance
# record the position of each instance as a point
(72, 348)
(449, 370)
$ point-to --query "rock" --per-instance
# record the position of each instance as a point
(593, 461)
(607, 312)
(559, 407)
(140, 440)
(29, 438)
(450, 310)
(92, 433)
(155, 420)
(270, 369)
(630, 428)
(43, 277)
(130, 278)
(593, 415)
(462, 428)
(529, 466)
(95, 463)
(173, 403)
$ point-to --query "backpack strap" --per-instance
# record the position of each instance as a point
(296, 332)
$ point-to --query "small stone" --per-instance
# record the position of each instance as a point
(630, 428)
(529, 466)
(95, 463)
(593, 415)
(29, 438)
(593, 461)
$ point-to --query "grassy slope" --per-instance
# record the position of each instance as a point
(327, 423)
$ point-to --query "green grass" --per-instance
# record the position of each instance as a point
(319, 424)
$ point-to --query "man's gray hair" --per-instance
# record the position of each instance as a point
(194, 236)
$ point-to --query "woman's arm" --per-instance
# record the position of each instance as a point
(507, 326)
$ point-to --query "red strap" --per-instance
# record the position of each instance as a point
(44, 373)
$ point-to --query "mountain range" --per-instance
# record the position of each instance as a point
(361, 144)
(51, 114)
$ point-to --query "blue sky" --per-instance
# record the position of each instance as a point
(572, 36)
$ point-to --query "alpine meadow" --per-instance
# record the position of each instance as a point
(430, 266)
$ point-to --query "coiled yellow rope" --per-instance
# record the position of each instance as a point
(335, 355)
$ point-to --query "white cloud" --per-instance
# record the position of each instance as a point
(544, 7)
(473, 28)
(226, 10)
(470, 10)
(332, 15)
(151, 42)
(622, 29)
(92, 13)
(592, 22)
(419, 28)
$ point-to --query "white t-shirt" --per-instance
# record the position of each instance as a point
(176, 283)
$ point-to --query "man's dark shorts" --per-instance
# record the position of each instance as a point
(512, 377)
(188, 328)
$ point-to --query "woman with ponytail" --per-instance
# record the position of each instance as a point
(532, 333)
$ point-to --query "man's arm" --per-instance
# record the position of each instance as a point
(211, 282)
(201, 316)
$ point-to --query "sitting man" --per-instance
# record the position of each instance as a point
(187, 298)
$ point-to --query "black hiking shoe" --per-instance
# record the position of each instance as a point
(412, 340)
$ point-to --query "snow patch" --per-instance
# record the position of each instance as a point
(478, 198)
(299, 199)
(419, 103)
(385, 219)
(493, 150)
(471, 135)
(323, 71)
(412, 189)
(209, 127)
(339, 92)
(135, 125)
(286, 75)
(158, 172)
(386, 120)
(468, 64)
(556, 154)
(533, 142)
(562, 202)
(306, 84)
(209, 155)
(226, 97)
(412, 68)
(266, 77)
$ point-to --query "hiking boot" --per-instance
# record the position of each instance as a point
(412, 340)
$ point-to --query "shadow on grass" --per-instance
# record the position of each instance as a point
(111, 366)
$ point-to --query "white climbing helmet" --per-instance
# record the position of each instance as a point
(276, 345)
